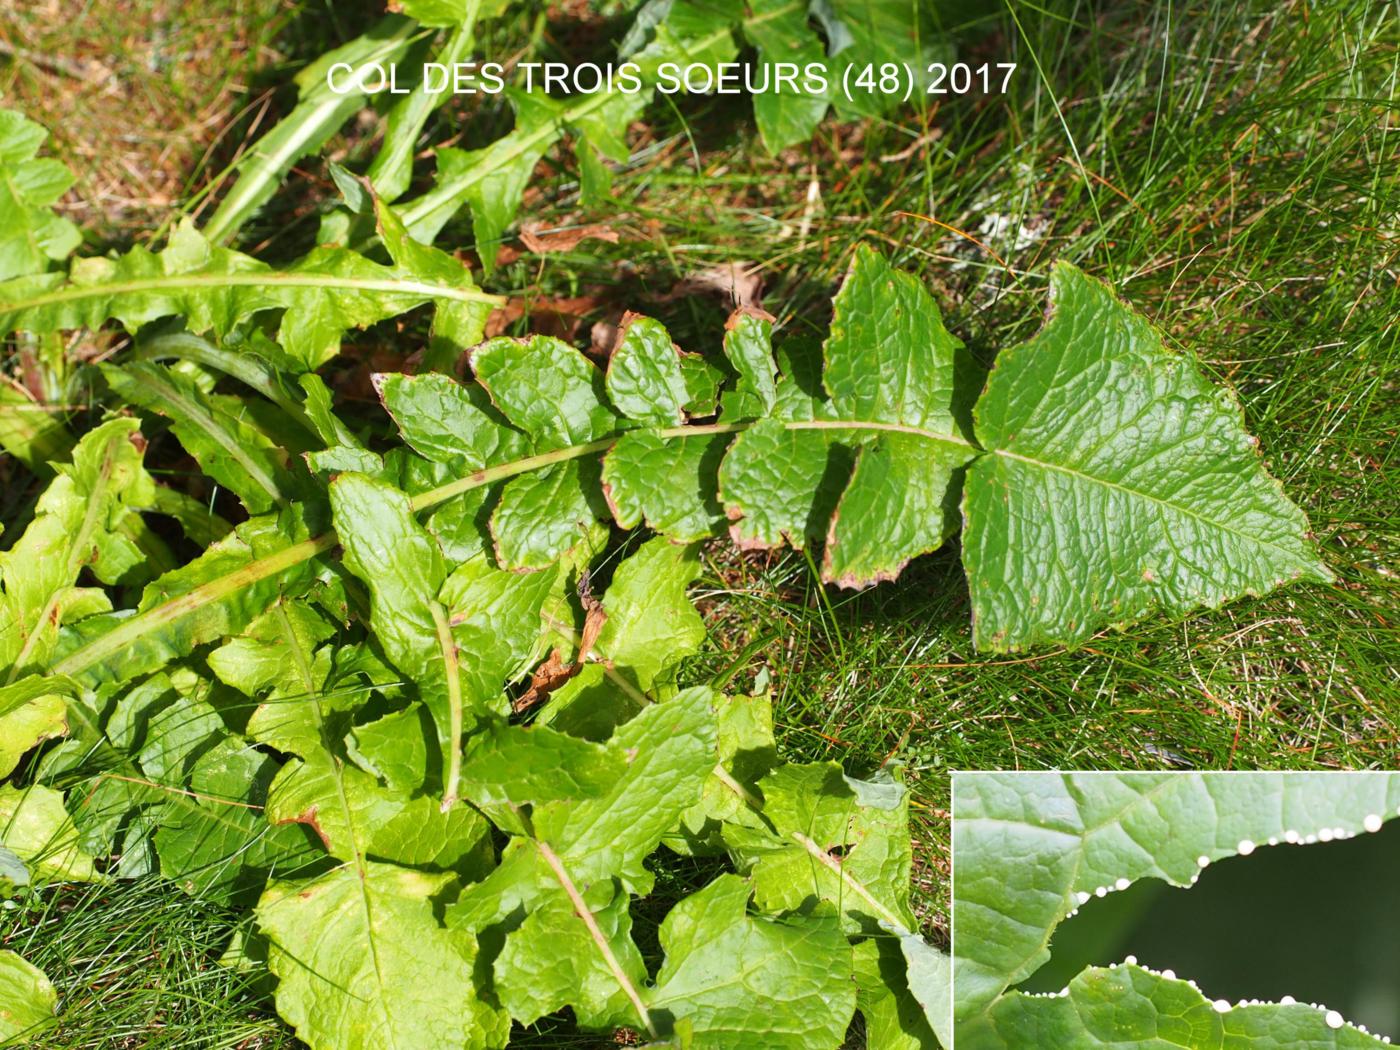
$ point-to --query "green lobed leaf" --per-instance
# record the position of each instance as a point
(447, 422)
(818, 812)
(229, 448)
(667, 751)
(404, 570)
(644, 380)
(77, 524)
(1032, 847)
(1119, 481)
(550, 961)
(323, 294)
(651, 624)
(31, 235)
(1129, 1006)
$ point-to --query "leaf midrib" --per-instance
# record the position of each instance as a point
(133, 628)
(204, 419)
(176, 282)
(1150, 498)
(308, 678)
(74, 560)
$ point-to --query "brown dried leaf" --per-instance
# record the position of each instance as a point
(540, 239)
(740, 283)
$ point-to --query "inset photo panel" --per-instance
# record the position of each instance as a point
(1141, 911)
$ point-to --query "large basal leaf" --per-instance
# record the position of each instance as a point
(28, 1000)
(325, 293)
(1119, 481)
(1031, 848)
(363, 964)
(31, 235)
(864, 450)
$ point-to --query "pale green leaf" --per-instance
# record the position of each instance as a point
(28, 1001)
(786, 982)
(32, 710)
(31, 431)
(76, 525)
(395, 748)
(35, 827)
(667, 752)
(392, 168)
(362, 964)
(403, 568)
(747, 751)
(669, 749)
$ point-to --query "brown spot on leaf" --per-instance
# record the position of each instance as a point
(309, 819)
